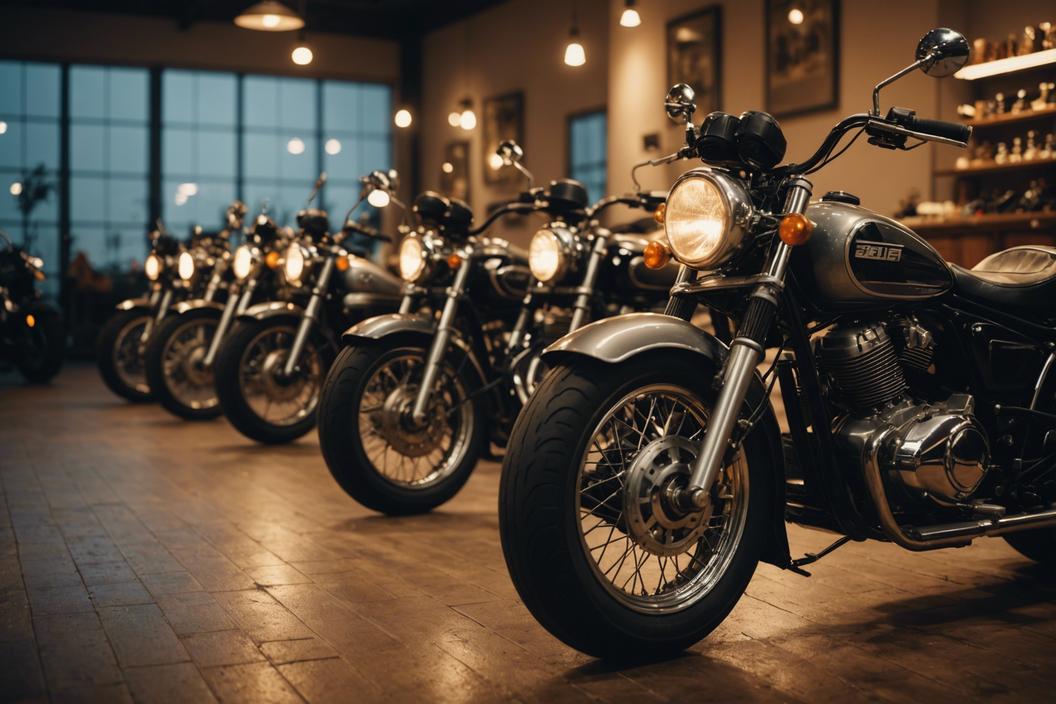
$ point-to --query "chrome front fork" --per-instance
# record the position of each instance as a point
(159, 315)
(311, 315)
(746, 351)
(444, 330)
(214, 281)
(236, 305)
(581, 306)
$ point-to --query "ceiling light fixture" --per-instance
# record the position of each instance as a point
(302, 53)
(795, 16)
(269, 16)
(467, 119)
(295, 146)
(575, 55)
(630, 17)
(403, 118)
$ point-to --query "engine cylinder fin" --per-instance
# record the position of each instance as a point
(863, 365)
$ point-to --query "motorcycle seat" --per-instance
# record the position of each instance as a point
(1019, 279)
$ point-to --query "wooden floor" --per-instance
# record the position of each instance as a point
(149, 559)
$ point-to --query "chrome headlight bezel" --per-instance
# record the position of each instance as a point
(294, 262)
(413, 265)
(185, 265)
(243, 260)
(684, 219)
(153, 265)
(556, 242)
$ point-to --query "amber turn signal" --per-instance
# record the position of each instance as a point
(656, 255)
(31, 320)
(272, 260)
(659, 213)
(795, 229)
(342, 264)
(454, 261)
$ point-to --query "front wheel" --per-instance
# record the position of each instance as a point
(40, 345)
(596, 545)
(118, 352)
(378, 454)
(174, 362)
(259, 399)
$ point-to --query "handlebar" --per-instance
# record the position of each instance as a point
(952, 131)
(647, 201)
(515, 207)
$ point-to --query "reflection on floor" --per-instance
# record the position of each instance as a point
(148, 558)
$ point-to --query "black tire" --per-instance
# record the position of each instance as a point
(117, 327)
(1039, 545)
(39, 357)
(160, 382)
(342, 445)
(538, 513)
(233, 402)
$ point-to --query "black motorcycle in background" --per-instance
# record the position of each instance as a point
(180, 355)
(270, 367)
(416, 397)
(647, 476)
(32, 335)
(122, 342)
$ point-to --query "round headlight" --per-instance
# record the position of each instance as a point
(185, 266)
(705, 217)
(242, 263)
(152, 267)
(294, 263)
(546, 256)
(412, 259)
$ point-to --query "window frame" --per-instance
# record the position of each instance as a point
(571, 118)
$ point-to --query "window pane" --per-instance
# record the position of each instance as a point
(260, 101)
(11, 77)
(587, 152)
(128, 94)
(42, 90)
(215, 99)
(128, 149)
(88, 91)
(87, 147)
(177, 89)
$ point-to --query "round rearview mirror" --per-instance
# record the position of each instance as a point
(510, 152)
(943, 52)
(680, 102)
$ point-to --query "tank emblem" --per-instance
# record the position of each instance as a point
(878, 251)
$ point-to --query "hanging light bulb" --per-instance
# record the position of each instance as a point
(403, 118)
(302, 54)
(269, 16)
(575, 55)
(467, 119)
(454, 117)
(795, 16)
(630, 16)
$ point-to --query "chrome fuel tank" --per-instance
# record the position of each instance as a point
(858, 257)
(364, 276)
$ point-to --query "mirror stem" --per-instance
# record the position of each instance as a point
(887, 81)
(527, 174)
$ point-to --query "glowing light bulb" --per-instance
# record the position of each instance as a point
(575, 55)
(295, 146)
(3, 127)
(447, 167)
(795, 16)
(332, 146)
(454, 118)
(270, 21)
(379, 199)
(467, 120)
(302, 55)
(630, 18)
(403, 118)
(16, 188)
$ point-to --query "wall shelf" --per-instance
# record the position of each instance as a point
(968, 224)
(1012, 64)
(1013, 117)
(993, 168)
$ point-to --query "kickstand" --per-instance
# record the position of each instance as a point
(811, 557)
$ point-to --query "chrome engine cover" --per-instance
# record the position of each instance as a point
(934, 452)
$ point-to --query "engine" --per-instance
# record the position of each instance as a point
(929, 451)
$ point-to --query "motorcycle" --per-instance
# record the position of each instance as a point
(123, 339)
(31, 331)
(415, 398)
(647, 476)
(180, 355)
(270, 368)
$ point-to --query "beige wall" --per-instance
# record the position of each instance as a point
(518, 45)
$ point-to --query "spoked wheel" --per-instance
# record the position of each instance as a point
(260, 399)
(175, 364)
(528, 371)
(40, 346)
(599, 545)
(375, 449)
(119, 354)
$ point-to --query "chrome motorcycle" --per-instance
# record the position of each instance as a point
(647, 476)
(415, 398)
(32, 335)
(180, 355)
(270, 367)
(122, 341)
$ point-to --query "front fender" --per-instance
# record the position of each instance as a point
(391, 324)
(270, 309)
(130, 303)
(194, 304)
(614, 340)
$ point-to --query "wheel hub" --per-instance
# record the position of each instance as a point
(194, 368)
(395, 424)
(277, 384)
(657, 475)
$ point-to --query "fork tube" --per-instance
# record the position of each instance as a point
(311, 314)
(581, 306)
(746, 351)
(682, 305)
(527, 310)
(162, 311)
(441, 340)
(232, 307)
(214, 281)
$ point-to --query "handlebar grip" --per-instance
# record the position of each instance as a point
(941, 128)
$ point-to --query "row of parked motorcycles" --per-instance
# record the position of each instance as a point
(32, 334)
(645, 473)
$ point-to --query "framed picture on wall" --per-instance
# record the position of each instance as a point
(503, 119)
(454, 170)
(694, 56)
(802, 56)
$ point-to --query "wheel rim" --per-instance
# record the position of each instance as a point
(182, 364)
(274, 398)
(401, 452)
(649, 555)
(127, 357)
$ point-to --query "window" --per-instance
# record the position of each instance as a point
(587, 160)
(109, 164)
(199, 128)
(30, 108)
